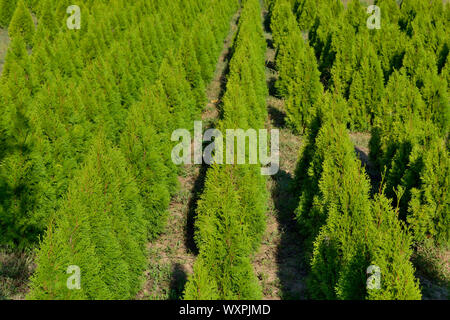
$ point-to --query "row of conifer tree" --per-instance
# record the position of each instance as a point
(85, 125)
(230, 217)
(336, 74)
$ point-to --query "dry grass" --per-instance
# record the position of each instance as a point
(433, 270)
(15, 269)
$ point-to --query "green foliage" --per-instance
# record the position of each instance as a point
(350, 232)
(7, 8)
(390, 45)
(416, 160)
(116, 80)
(331, 143)
(76, 83)
(429, 206)
(320, 35)
(306, 13)
(366, 91)
(231, 211)
(100, 228)
(22, 23)
(299, 78)
(344, 49)
(223, 269)
(391, 252)
(390, 11)
(394, 83)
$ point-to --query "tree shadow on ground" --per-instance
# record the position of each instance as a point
(290, 259)
(197, 191)
(178, 282)
(372, 172)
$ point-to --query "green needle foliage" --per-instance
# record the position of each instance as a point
(102, 219)
(7, 8)
(299, 78)
(22, 23)
(231, 212)
(349, 231)
(429, 205)
(86, 122)
(306, 13)
(77, 82)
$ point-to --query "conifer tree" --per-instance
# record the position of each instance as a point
(355, 15)
(391, 252)
(429, 206)
(352, 232)
(366, 91)
(306, 13)
(7, 8)
(22, 23)
(47, 19)
(101, 227)
(330, 143)
(282, 21)
(299, 77)
(193, 70)
(329, 13)
(445, 73)
(344, 50)
(223, 269)
(390, 45)
(390, 11)
(231, 212)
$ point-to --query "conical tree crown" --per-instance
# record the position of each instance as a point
(22, 23)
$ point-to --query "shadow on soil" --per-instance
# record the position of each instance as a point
(178, 282)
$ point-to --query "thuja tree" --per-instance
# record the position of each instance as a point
(47, 21)
(401, 102)
(223, 269)
(26, 191)
(390, 11)
(355, 15)
(231, 212)
(146, 148)
(64, 118)
(357, 233)
(331, 151)
(22, 23)
(282, 21)
(397, 146)
(390, 246)
(366, 90)
(320, 35)
(100, 229)
(429, 205)
(421, 64)
(306, 11)
(299, 77)
(345, 53)
(390, 45)
(445, 73)
(7, 8)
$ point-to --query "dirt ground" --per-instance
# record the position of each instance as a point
(4, 42)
